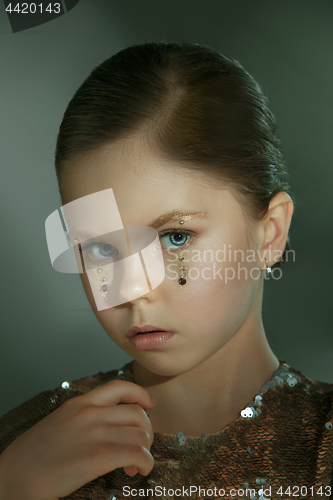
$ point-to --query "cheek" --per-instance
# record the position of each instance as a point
(221, 282)
(87, 289)
(111, 319)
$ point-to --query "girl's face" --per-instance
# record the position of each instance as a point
(222, 295)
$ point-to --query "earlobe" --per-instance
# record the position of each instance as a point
(276, 227)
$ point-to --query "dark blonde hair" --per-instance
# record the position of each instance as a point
(196, 106)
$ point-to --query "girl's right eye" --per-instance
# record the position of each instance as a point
(100, 251)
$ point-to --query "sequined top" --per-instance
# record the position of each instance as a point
(280, 446)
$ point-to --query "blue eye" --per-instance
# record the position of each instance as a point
(99, 251)
(177, 238)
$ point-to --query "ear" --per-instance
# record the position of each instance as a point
(275, 227)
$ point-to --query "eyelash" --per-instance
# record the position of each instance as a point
(163, 233)
(86, 247)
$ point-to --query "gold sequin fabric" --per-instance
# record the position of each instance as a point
(280, 446)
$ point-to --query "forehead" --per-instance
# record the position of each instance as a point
(145, 184)
(122, 165)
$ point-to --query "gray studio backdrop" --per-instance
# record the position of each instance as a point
(48, 331)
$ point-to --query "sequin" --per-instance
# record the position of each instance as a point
(261, 481)
(291, 425)
(121, 375)
(279, 380)
(65, 385)
(113, 494)
(252, 496)
(248, 412)
(203, 437)
(258, 400)
(181, 437)
(53, 400)
(292, 381)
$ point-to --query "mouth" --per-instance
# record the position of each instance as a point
(148, 338)
(137, 330)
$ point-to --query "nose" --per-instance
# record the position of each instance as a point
(143, 272)
(128, 278)
(133, 281)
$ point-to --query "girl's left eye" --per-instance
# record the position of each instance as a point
(178, 238)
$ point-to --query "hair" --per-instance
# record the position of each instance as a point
(194, 105)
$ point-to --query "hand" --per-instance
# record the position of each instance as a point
(88, 436)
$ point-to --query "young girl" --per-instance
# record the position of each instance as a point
(174, 139)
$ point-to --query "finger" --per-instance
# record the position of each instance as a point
(131, 470)
(112, 456)
(122, 435)
(127, 415)
(119, 391)
(138, 457)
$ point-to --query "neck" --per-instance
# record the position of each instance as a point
(210, 396)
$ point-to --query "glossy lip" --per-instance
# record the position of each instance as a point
(144, 328)
(150, 341)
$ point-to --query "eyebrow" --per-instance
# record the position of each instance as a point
(176, 216)
(160, 221)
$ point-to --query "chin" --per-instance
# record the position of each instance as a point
(167, 367)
